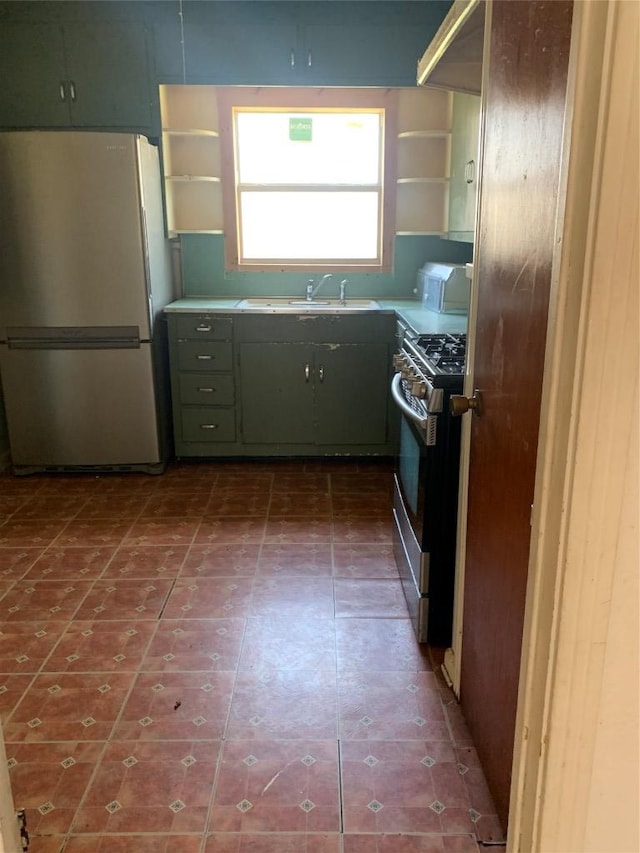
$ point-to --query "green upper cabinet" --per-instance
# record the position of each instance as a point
(463, 182)
(74, 75)
(34, 76)
(359, 54)
(295, 43)
(108, 64)
(252, 54)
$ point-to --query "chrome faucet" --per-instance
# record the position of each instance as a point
(343, 293)
(313, 289)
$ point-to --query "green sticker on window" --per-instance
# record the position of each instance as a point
(300, 129)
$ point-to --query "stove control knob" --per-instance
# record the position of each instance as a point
(398, 361)
(418, 388)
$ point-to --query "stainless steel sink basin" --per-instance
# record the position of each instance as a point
(316, 306)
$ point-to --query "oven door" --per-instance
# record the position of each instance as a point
(419, 470)
(418, 519)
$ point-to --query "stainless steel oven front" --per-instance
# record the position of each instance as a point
(425, 503)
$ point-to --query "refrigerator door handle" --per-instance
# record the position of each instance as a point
(69, 337)
(147, 273)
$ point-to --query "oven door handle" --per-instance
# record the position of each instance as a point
(402, 404)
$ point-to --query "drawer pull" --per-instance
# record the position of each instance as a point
(203, 328)
(206, 390)
(208, 426)
(204, 357)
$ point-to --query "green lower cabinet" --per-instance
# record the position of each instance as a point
(208, 425)
(202, 384)
(277, 393)
(351, 393)
(317, 395)
(282, 385)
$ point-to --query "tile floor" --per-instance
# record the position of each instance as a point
(219, 659)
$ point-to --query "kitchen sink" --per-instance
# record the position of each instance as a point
(295, 306)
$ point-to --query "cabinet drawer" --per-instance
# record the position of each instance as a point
(201, 355)
(213, 390)
(205, 328)
(208, 424)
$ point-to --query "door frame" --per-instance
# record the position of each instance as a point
(578, 699)
(554, 736)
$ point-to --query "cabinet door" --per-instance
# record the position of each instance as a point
(33, 73)
(107, 66)
(351, 393)
(366, 54)
(464, 156)
(277, 393)
(241, 55)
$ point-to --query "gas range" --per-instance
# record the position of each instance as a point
(440, 355)
(429, 370)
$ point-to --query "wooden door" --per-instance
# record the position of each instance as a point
(525, 92)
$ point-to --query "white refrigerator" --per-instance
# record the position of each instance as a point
(84, 275)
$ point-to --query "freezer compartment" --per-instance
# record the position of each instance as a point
(81, 408)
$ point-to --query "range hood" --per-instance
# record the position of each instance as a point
(453, 60)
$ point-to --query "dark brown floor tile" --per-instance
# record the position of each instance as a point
(135, 598)
(101, 533)
(16, 562)
(43, 600)
(378, 644)
(226, 560)
(198, 645)
(275, 642)
(152, 843)
(102, 646)
(69, 707)
(71, 562)
(288, 705)
(301, 560)
(277, 786)
(293, 596)
(24, 646)
(273, 842)
(117, 506)
(398, 843)
(30, 533)
(176, 706)
(12, 689)
(366, 597)
(362, 560)
(236, 530)
(146, 561)
(203, 598)
(161, 531)
(50, 507)
(150, 787)
(391, 706)
(49, 781)
(298, 531)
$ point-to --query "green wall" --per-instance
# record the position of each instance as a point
(203, 272)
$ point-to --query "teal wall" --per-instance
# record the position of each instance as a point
(203, 272)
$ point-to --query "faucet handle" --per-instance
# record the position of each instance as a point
(343, 285)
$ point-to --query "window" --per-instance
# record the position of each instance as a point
(304, 179)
